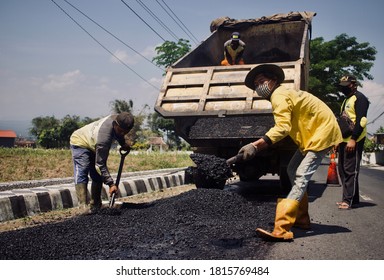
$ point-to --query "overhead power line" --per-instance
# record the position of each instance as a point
(122, 62)
(138, 53)
(178, 21)
(159, 21)
(143, 20)
(376, 118)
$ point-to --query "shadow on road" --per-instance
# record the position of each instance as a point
(364, 204)
(319, 229)
(315, 190)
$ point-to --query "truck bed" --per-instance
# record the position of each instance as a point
(216, 91)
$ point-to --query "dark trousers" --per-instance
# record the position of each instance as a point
(349, 168)
(84, 164)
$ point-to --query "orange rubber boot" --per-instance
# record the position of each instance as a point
(286, 212)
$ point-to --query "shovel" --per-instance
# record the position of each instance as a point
(235, 159)
(123, 154)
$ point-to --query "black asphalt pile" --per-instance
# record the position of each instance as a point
(107, 211)
(211, 170)
(198, 224)
(233, 127)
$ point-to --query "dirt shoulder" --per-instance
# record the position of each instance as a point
(57, 216)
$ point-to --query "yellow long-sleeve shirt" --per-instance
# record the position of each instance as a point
(305, 118)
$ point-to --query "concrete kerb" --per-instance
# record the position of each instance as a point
(24, 202)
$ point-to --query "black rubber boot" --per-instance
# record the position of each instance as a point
(96, 196)
(82, 194)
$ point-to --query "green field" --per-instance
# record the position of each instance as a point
(20, 164)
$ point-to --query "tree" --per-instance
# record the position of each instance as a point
(119, 106)
(169, 52)
(49, 138)
(158, 124)
(67, 126)
(53, 133)
(41, 123)
(333, 59)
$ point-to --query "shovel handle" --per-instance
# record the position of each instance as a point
(123, 154)
(235, 159)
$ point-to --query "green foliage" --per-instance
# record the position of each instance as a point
(41, 123)
(167, 126)
(370, 144)
(140, 146)
(169, 52)
(333, 59)
(53, 133)
(119, 106)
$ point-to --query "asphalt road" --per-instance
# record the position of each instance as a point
(355, 234)
(214, 224)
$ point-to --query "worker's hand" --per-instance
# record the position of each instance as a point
(126, 148)
(351, 146)
(335, 149)
(249, 151)
(113, 189)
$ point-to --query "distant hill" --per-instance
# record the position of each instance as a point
(20, 127)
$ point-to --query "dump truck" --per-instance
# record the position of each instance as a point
(212, 108)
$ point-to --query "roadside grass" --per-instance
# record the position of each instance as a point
(22, 164)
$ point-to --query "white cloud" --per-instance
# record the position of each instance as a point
(61, 82)
(149, 52)
(124, 57)
(131, 59)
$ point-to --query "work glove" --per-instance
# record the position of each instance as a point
(249, 151)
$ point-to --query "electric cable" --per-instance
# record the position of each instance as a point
(122, 62)
(142, 20)
(376, 118)
(113, 35)
(175, 16)
(159, 21)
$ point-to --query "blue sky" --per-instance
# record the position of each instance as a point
(50, 67)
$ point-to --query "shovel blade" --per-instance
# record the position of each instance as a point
(112, 200)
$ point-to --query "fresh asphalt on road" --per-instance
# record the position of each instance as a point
(355, 234)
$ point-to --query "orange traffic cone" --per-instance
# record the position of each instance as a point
(332, 178)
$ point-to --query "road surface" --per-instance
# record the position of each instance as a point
(355, 234)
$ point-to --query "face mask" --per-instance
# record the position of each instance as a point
(263, 90)
(345, 90)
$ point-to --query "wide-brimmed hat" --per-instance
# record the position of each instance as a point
(261, 69)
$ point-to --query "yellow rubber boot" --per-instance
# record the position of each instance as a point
(286, 212)
(302, 220)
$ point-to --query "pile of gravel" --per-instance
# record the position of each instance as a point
(198, 224)
(211, 171)
(253, 126)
